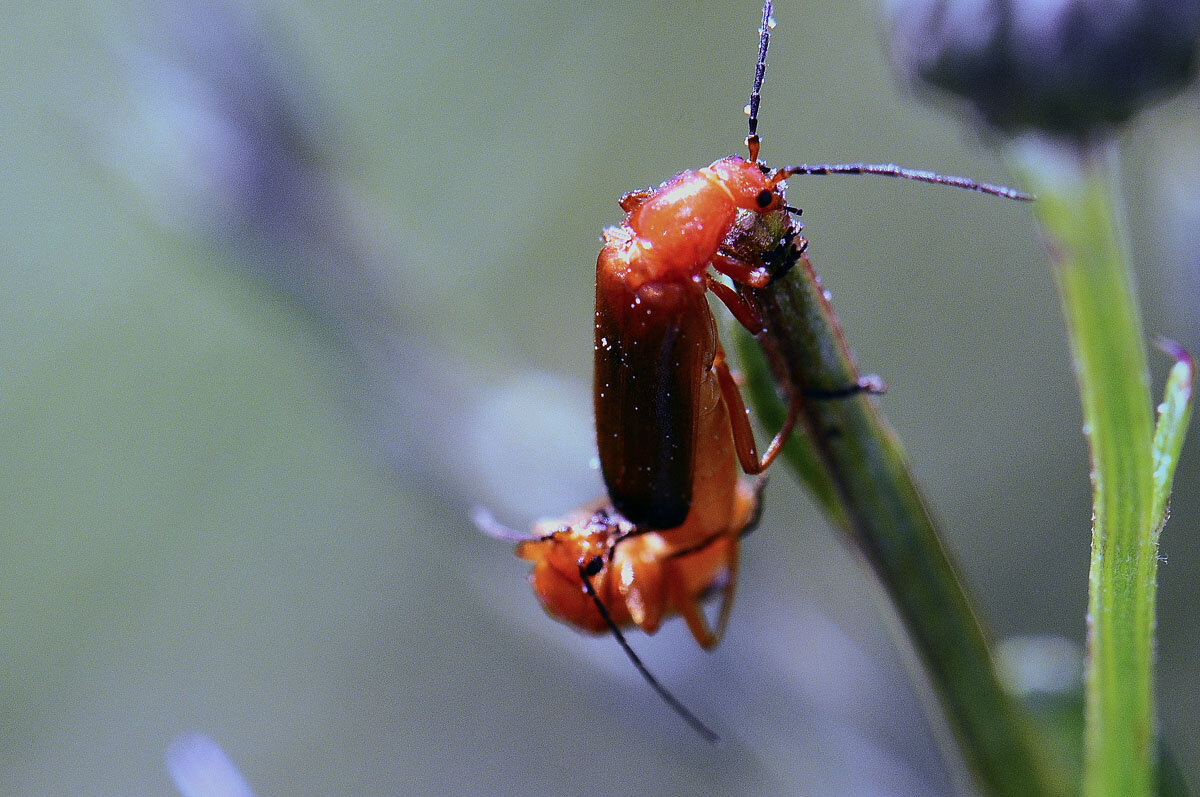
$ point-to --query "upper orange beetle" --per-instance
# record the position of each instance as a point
(671, 427)
(661, 380)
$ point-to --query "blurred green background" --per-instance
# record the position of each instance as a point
(227, 511)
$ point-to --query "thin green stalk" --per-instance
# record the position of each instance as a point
(880, 507)
(1173, 415)
(1131, 469)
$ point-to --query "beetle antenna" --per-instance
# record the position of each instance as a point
(892, 170)
(487, 523)
(760, 69)
(586, 572)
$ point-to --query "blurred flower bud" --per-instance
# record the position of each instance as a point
(1066, 67)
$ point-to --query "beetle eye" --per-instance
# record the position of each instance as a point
(764, 198)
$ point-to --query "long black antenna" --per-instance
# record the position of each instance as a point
(892, 170)
(586, 572)
(760, 70)
(754, 142)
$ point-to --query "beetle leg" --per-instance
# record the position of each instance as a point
(870, 384)
(743, 435)
(753, 498)
(755, 275)
(639, 580)
(742, 310)
(693, 612)
(748, 317)
(789, 252)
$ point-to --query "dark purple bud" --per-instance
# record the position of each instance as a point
(1066, 67)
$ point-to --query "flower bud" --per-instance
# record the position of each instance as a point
(1066, 67)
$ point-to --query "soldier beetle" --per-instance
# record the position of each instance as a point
(672, 429)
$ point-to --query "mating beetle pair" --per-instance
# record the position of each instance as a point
(672, 431)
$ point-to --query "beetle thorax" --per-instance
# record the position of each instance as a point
(675, 232)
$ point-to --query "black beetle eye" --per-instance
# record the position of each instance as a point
(764, 198)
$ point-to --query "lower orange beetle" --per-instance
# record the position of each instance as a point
(672, 430)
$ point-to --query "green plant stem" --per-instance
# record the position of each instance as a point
(886, 517)
(1077, 208)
